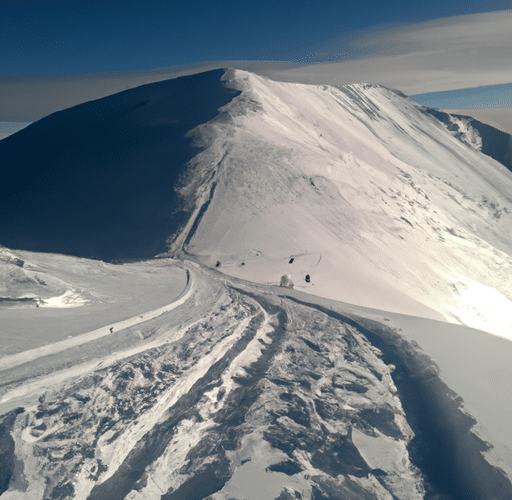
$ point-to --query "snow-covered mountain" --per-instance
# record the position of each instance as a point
(376, 200)
(194, 377)
(97, 180)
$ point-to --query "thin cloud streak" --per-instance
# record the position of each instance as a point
(450, 53)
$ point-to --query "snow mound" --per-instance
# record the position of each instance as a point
(68, 299)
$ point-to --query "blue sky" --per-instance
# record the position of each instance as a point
(52, 36)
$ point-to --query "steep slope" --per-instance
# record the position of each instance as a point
(361, 189)
(97, 180)
(487, 139)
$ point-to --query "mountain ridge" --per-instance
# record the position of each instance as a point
(97, 180)
(382, 204)
(304, 169)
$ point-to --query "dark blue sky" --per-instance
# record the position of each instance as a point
(52, 36)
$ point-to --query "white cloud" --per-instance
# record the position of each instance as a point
(454, 52)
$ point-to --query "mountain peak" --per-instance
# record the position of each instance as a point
(381, 204)
(384, 206)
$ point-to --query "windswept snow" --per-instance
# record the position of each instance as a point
(472, 363)
(35, 286)
(230, 382)
(26, 356)
(398, 210)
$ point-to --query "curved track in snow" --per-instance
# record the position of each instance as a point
(27, 356)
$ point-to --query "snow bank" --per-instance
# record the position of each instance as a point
(67, 299)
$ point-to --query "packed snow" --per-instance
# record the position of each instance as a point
(219, 353)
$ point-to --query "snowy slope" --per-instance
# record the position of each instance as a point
(208, 386)
(373, 198)
(47, 298)
(239, 392)
(196, 390)
(97, 180)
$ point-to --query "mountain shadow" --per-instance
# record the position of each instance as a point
(495, 143)
(97, 180)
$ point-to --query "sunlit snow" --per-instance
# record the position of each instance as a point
(67, 299)
(376, 201)
(484, 308)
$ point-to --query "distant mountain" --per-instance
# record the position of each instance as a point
(382, 204)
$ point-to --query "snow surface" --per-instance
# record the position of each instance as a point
(97, 403)
(472, 363)
(26, 356)
(357, 187)
(105, 296)
(374, 198)
(73, 400)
